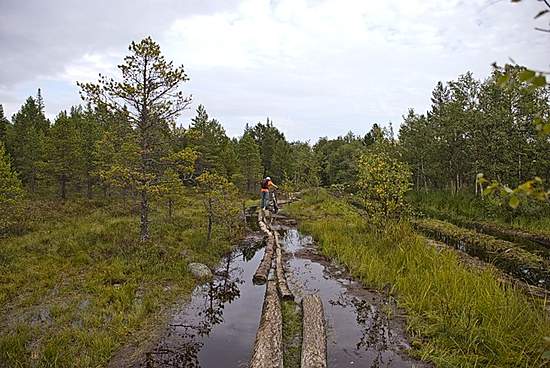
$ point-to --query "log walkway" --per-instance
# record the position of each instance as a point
(268, 349)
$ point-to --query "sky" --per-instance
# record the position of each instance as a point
(314, 67)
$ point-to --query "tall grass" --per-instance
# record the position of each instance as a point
(78, 283)
(457, 317)
(530, 215)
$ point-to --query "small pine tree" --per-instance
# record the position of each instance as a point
(11, 191)
(221, 202)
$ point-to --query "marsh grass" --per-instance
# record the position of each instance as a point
(457, 317)
(531, 215)
(292, 334)
(78, 283)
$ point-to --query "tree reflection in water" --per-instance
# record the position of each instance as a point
(185, 341)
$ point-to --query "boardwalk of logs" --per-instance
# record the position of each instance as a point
(268, 348)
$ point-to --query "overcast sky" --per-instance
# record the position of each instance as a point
(317, 68)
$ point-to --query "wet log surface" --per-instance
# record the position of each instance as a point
(262, 273)
(314, 343)
(268, 347)
(282, 285)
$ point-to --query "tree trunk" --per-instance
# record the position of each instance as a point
(268, 347)
(314, 340)
(144, 235)
(170, 204)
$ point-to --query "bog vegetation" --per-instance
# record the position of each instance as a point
(103, 208)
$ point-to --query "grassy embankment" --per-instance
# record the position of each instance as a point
(464, 209)
(79, 283)
(457, 317)
(521, 263)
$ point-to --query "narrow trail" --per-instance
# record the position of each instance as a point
(218, 326)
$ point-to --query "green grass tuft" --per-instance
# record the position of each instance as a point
(292, 334)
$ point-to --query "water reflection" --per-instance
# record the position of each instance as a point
(191, 330)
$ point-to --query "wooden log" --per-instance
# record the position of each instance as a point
(268, 347)
(262, 273)
(282, 285)
(314, 340)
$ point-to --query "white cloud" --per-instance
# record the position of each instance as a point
(325, 67)
(89, 66)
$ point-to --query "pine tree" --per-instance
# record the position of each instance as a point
(149, 95)
(65, 161)
(90, 131)
(4, 125)
(27, 142)
(208, 138)
(250, 163)
(11, 190)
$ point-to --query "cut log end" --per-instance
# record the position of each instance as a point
(314, 343)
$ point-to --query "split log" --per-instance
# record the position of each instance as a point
(314, 341)
(268, 347)
(282, 285)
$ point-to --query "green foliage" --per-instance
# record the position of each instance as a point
(11, 192)
(149, 99)
(4, 125)
(383, 182)
(456, 316)
(208, 138)
(26, 143)
(64, 155)
(477, 127)
(181, 165)
(222, 205)
(267, 136)
(250, 164)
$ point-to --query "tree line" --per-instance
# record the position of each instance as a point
(477, 127)
(124, 141)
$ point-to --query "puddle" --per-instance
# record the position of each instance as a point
(360, 334)
(218, 326)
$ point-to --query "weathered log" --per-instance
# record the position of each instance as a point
(262, 273)
(282, 285)
(314, 340)
(268, 347)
